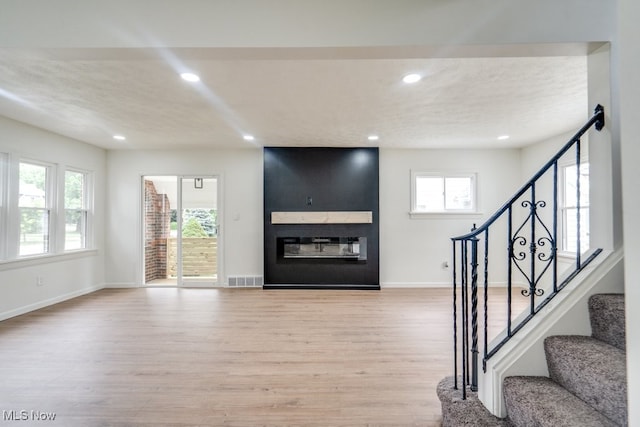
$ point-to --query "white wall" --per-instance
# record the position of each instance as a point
(240, 197)
(536, 155)
(629, 67)
(412, 250)
(301, 23)
(604, 153)
(64, 276)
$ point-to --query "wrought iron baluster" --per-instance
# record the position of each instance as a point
(509, 267)
(474, 314)
(578, 249)
(466, 309)
(554, 244)
(532, 249)
(455, 321)
(463, 309)
(486, 298)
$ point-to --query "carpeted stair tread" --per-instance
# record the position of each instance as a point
(606, 312)
(592, 370)
(541, 402)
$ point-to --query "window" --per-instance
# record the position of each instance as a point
(439, 193)
(569, 208)
(45, 209)
(34, 206)
(3, 203)
(75, 210)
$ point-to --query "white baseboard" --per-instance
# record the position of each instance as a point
(399, 285)
(51, 301)
(441, 285)
(125, 285)
(205, 285)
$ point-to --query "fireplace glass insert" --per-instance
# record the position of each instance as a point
(344, 248)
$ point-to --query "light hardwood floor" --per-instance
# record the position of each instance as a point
(231, 357)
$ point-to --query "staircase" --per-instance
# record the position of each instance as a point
(587, 376)
(586, 386)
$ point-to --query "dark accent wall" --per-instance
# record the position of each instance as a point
(321, 179)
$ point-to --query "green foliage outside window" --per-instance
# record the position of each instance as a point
(205, 217)
(192, 228)
(33, 179)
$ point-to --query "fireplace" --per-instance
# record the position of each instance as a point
(321, 218)
(348, 249)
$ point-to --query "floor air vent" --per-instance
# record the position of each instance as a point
(245, 281)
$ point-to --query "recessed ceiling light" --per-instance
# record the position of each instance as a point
(503, 137)
(412, 78)
(373, 137)
(190, 77)
(119, 137)
(248, 137)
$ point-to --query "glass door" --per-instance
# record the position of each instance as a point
(180, 231)
(198, 225)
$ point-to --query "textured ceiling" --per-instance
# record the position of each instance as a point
(292, 100)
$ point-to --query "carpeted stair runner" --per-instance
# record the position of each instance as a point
(541, 402)
(607, 319)
(592, 370)
(587, 384)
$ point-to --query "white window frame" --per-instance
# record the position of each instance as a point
(4, 203)
(87, 208)
(10, 216)
(563, 208)
(448, 213)
(50, 206)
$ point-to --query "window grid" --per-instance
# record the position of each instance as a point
(34, 203)
(443, 193)
(3, 202)
(76, 212)
(35, 218)
(569, 208)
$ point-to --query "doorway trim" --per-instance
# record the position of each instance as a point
(179, 283)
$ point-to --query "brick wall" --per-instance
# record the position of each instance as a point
(157, 229)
